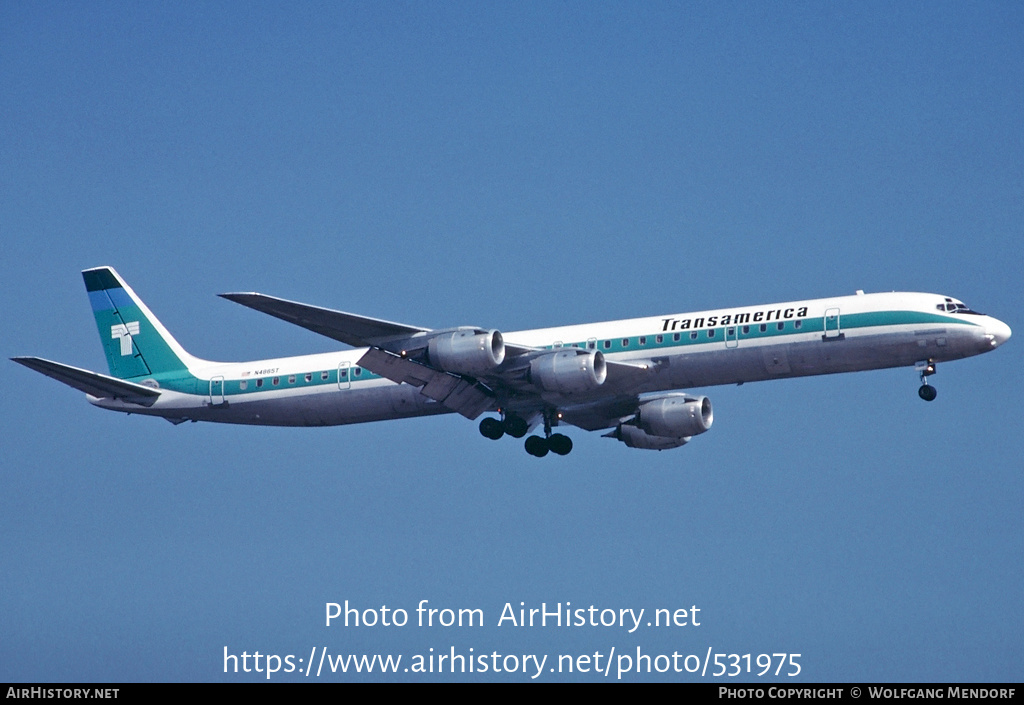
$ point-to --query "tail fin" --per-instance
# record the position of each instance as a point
(135, 342)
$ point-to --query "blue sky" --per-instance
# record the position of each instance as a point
(511, 166)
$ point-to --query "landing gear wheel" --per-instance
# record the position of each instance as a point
(515, 426)
(491, 428)
(927, 392)
(537, 446)
(560, 444)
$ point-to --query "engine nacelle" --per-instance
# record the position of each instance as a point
(466, 352)
(638, 438)
(569, 371)
(675, 416)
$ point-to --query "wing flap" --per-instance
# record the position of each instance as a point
(464, 396)
(93, 383)
(395, 368)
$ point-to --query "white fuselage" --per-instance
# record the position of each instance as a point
(684, 351)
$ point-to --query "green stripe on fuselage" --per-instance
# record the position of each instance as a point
(851, 321)
(816, 324)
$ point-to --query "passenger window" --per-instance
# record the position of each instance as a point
(764, 327)
(607, 344)
(344, 374)
(693, 335)
(309, 376)
(324, 375)
(357, 372)
(243, 384)
(276, 381)
(780, 326)
(746, 329)
(643, 340)
(711, 333)
(625, 342)
(291, 379)
(675, 337)
(259, 383)
(798, 324)
(659, 339)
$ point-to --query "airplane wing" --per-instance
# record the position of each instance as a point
(466, 395)
(397, 352)
(348, 328)
(92, 383)
(471, 396)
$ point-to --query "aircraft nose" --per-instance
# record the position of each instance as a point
(999, 332)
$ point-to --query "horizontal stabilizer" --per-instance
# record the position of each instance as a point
(357, 331)
(101, 386)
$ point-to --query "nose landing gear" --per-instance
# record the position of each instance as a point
(927, 369)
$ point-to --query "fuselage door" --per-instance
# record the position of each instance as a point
(732, 336)
(832, 329)
(216, 391)
(344, 375)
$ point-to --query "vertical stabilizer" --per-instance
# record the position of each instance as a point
(135, 342)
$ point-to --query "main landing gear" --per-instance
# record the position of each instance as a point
(557, 443)
(513, 425)
(926, 391)
(517, 427)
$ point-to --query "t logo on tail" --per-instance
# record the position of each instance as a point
(125, 331)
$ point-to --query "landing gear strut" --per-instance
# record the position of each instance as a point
(926, 391)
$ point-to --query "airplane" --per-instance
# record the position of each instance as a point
(621, 376)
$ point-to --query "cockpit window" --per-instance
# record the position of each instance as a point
(952, 306)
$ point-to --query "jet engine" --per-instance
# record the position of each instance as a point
(467, 352)
(569, 371)
(675, 416)
(638, 438)
(666, 422)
